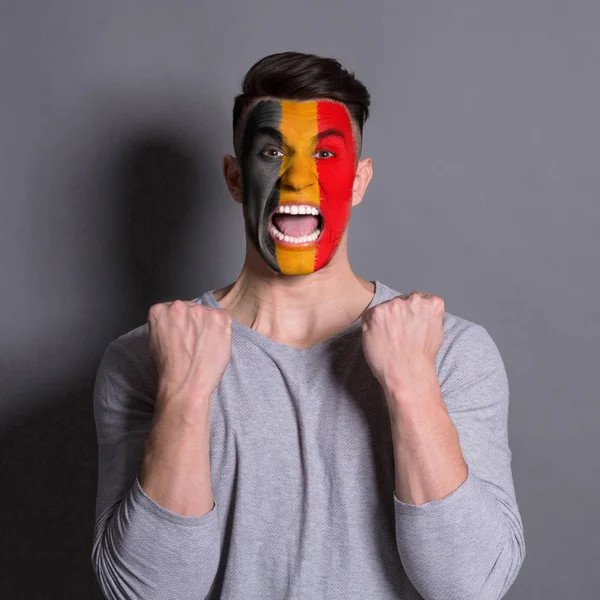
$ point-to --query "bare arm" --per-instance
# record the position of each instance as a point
(175, 471)
(145, 548)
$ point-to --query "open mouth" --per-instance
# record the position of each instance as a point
(296, 224)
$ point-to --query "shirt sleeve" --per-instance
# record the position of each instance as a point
(468, 545)
(141, 549)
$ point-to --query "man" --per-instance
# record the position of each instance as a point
(303, 432)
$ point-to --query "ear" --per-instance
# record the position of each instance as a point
(233, 176)
(364, 172)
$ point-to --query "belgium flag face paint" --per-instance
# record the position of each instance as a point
(299, 156)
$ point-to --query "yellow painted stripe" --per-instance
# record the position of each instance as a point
(299, 125)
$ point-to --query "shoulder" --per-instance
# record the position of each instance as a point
(470, 360)
(468, 357)
(129, 355)
(128, 364)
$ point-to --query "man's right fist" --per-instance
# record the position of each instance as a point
(191, 347)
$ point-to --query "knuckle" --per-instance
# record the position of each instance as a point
(178, 304)
(155, 309)
(225, 317)
(376, 311)
(215, 317)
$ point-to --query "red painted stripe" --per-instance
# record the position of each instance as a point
(336, 177)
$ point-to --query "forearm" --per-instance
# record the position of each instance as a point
(428, 460)
(452, 536)
(175, 470)
(147, 545)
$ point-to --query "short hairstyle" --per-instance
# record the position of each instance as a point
(300, 76)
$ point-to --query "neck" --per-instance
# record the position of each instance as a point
(296, 310)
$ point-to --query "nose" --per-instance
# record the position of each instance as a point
(299, 173)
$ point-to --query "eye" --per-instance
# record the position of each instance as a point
(331, 154)
(272, 153)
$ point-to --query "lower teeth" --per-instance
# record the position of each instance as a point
(295, 240)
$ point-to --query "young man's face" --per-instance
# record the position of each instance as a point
(302, 155)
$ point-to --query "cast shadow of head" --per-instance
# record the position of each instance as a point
(49, 458)
(159, 186)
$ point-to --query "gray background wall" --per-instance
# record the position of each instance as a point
(485, 143)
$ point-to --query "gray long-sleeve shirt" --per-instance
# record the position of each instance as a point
(302, 472)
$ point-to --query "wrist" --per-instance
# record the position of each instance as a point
(182, 412)
(426, 393)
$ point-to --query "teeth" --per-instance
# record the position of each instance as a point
(298, 210)
(295, 240)
(304, 209)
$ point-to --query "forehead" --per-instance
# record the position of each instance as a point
(306, 115)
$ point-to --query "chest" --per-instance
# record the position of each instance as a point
(287, 423)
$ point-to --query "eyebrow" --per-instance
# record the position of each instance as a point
(328, 132)
(276, 133)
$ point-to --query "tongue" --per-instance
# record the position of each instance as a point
(295, 225)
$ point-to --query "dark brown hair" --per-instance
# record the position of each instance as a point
(299, 76)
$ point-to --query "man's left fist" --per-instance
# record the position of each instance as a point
(401, 338)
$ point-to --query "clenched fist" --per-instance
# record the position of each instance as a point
(401, 339)
(191, 346)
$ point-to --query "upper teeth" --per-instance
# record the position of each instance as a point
(298, 210)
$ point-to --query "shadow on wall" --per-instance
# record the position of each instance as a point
(158, 183)
(49, 459)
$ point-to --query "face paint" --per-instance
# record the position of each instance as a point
(297, 154)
